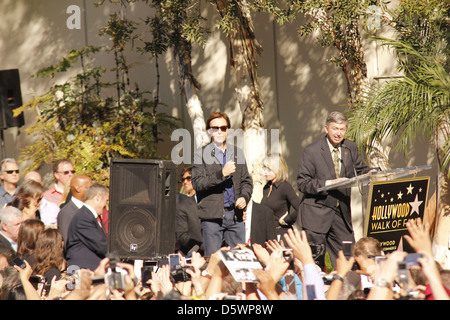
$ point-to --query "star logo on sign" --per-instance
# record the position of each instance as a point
(410, 189)
(400, 195)
(415, 205)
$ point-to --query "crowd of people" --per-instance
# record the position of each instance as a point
(53, 243)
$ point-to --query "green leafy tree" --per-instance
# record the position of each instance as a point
(178, 25)
(81, 120)
(419, 101)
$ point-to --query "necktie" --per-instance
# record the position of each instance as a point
(337, 164)
(99, 219)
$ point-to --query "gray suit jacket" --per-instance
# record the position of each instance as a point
(208, 181)
(315, 167)
(64, 218)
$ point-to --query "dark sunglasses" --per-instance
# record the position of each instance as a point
(67, 172)
(188, 178)
(12, 171)
(222, 128)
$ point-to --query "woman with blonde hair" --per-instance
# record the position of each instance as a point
(278, 194)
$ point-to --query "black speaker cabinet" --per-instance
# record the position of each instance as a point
(142, 208)
(10, 99)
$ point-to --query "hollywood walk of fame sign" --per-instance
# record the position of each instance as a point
(391, 204)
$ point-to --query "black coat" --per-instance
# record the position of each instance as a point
(209, 182)
(188, 229)
(315, 168)
(4, 243)
(262, 224)
(86, 244)
(281, 199)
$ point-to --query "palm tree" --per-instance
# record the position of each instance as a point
(417, 103)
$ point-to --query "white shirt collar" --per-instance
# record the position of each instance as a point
(58, 189)
(77, 202)
(92, 210)
(332, 147)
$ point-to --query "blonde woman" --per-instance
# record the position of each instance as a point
(278, 194)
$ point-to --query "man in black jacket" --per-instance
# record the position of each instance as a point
(325, 215)
(87, 244)
(188, 228)
(223, 185)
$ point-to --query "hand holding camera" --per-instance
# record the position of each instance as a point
(24, 268)
(177, 271)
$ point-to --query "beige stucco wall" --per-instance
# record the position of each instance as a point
(299, 87)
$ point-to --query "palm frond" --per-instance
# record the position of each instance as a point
(406, 107)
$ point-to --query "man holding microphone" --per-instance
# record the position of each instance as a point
(223, 185)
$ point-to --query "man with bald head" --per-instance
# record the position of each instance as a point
(78, 187)
(33, 175)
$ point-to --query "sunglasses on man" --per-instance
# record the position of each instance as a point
(67, 172)
(222, 128)
(188, 178)
(12, 171)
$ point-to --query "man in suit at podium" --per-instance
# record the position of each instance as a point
(325, 215)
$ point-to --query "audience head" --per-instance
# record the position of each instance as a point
(31, 187)
(49, 251)
(9, 171)
(11, 286)
(97, 196)
(79, 184)
(28, 233)
(367, 247)
(6, 256)
(33, 175)
(62, 171)
(10, 219)
(365, 250)
(186, 181)
(28, 199)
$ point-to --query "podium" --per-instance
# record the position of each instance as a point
(391, 201)
(367, 178)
